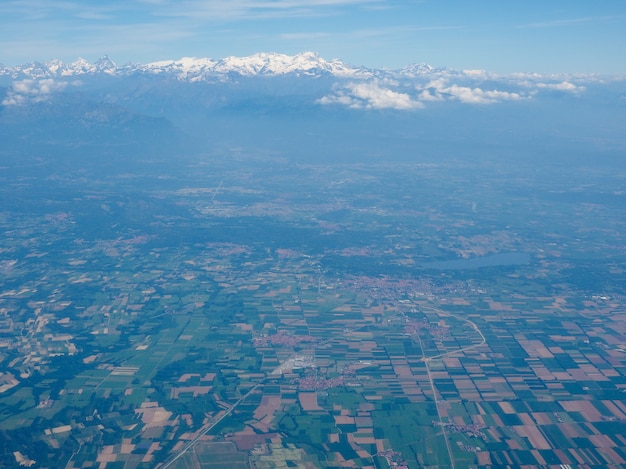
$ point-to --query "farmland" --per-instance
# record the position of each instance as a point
(363, 316)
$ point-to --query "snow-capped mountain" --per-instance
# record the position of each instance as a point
(275, 81)
(307, 63)
(195, 69)
(58, 69)
(416, 70)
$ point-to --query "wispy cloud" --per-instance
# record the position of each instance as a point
(43, 10)
(360, 34)
(248, 9)
(94, 15)
(566, 22)
(95, 40)
(305, 36)
(201, 10)
(395, 30)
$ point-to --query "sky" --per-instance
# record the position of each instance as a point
(543, 36)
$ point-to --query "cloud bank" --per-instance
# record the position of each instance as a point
(562, 86)
(439, 90)
(377, 95)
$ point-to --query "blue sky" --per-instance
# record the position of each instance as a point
(497, 35)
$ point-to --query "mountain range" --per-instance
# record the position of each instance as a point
(305, 64)
(338, 83)
(305, 106)
(193, 69)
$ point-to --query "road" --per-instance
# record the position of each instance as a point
(427, 361)
(209, 427)
(434, 391)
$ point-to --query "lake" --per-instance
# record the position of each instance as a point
(495, 260)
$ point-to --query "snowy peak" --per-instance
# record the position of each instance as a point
(268, 64)
(415, 70)
(56, 67)
(306, 63)
(34, 70)
(185, 69)
(105, 65)
(79, 67)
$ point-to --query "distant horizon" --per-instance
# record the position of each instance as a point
(559, 37)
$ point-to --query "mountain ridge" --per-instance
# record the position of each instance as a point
(262, 64)
(264, 80)
(194, 68)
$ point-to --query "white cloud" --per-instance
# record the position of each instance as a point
(565, 86)
(251, 9)
(426, 95)
(32, 91)
(304, 36)
(45, 10)
(437, 83)
(476, 73)
(370, 95)
(380, 94)
(562, 86)
(439, 90)
(466, 94)
(567, 22)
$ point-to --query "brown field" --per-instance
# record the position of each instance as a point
(308, 401)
